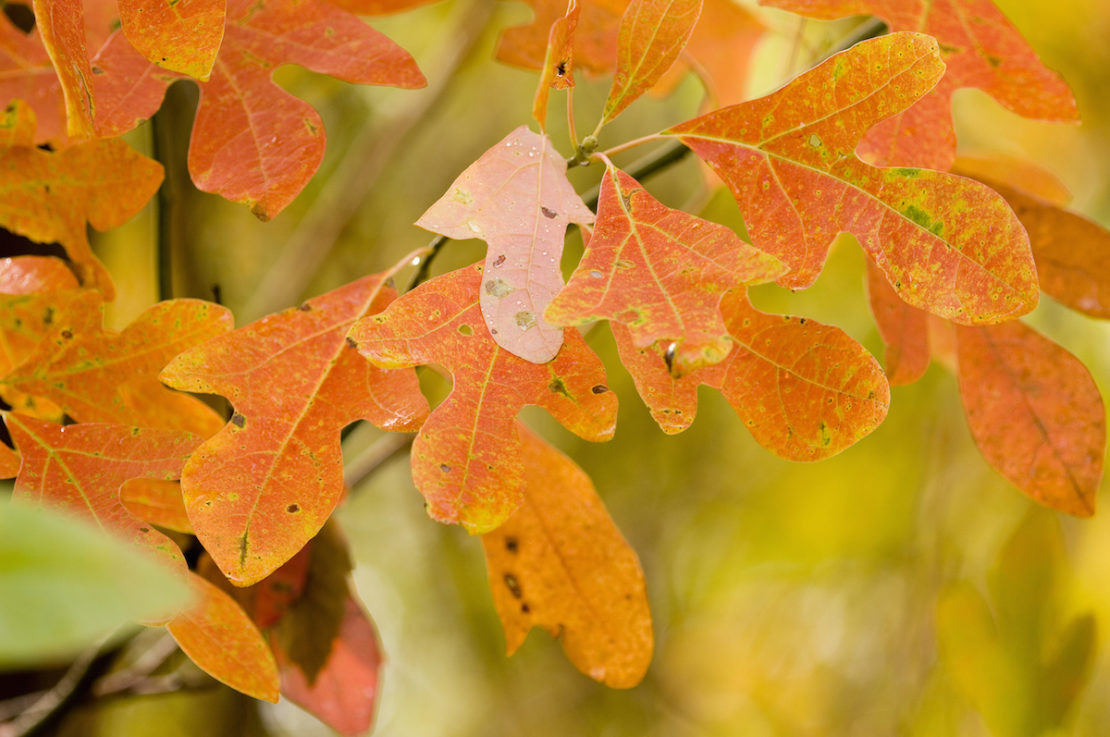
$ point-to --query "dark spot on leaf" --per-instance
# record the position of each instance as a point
(144, 529)
(445, 468)
(512, 544)
(304, 307)
(351, 342)
(548, 213)
(558, 387)
(513, 585)
(67, 334)
(499, 260)
(293, 508)
(525, 609)
(238, 420)
(599, 389)
(801, 321)
(561, 68)
(97, 70)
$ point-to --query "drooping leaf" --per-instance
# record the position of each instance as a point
(652, 35)
(100, 376)
(660, 272)
(61, 24)
(31, 274)
(558, 63)
(1035, 413)
(263, 486)
(50, 196)
(980, 49)
(1072, 252)
(181, 35)
(221, 639)
(806, 391)
(253, 142)
(80, 469)
(27, 74)
(62, 589)
(904, 330)
(515, 197)
(158, 502)
(560, 563)
(947, 244)
(466, 459)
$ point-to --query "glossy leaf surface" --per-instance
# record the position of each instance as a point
(560, 563)
(948, 245)
(466, 459)
(805, 390)
(661, 272)
(1035, 413)
(980, 49)
(181, 35)
(515, 197)
(263, 486)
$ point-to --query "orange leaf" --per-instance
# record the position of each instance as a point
(661, 272)
(252, 141)
(805, 390)
(904, 330)
(344, 693)
(558, 62)
(263, 486)
(28, 75)
(62, 26)
(948, 245)
(80, 468)
(157, 502)
(1035, 414)
(25, 321)
(181, 35)
(517, 198)
(49, 197)
(221, 639)
(1072, 252)
(560, 563)
(100, 376)
(652, 35)
(30, 274)
(980, 48)
(9, 462)
(466, 459)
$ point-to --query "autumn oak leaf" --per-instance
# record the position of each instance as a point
(806, 391)
(515, 197)
(560, 563)
(180, 35)
(101, 376)
(28, 75)
(80, 469)
(52, 196)
(980, 47)
(558, 62)
(660, 272)
(1035, 413)
(61, 24)
(264, 485)
(947, 244)
(466, 459)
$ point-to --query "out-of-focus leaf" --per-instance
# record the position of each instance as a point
(652, 35)
(560, 563)
(182, 35)
(980, 49)
(100, 376)
(221, 639)
(64, 584)
(558, 63)
(263, 486)
(1035, 413)
(947, 244)
(466, 459)
(515, 197)
(806, 391)
(904, 330)
(660, 272)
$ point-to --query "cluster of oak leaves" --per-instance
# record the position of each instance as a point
(952, 262)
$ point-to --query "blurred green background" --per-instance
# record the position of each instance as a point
(899, 588)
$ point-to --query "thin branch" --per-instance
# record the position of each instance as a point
(374, 456)
(425, 269)
(124, 680)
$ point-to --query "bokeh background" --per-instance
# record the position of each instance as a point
(899, 588)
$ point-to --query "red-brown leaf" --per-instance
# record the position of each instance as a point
(80, 468)
(263, 486)
(904, 330)
(947, 244)
(466, 459)
(1035, 413)
(100, 376)
(660, 272)
(222, 640)
(980, 48)
(181, 35)
(806, 391)
(652, 35)
(560, 563)
(558, 63)
(515, 197)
